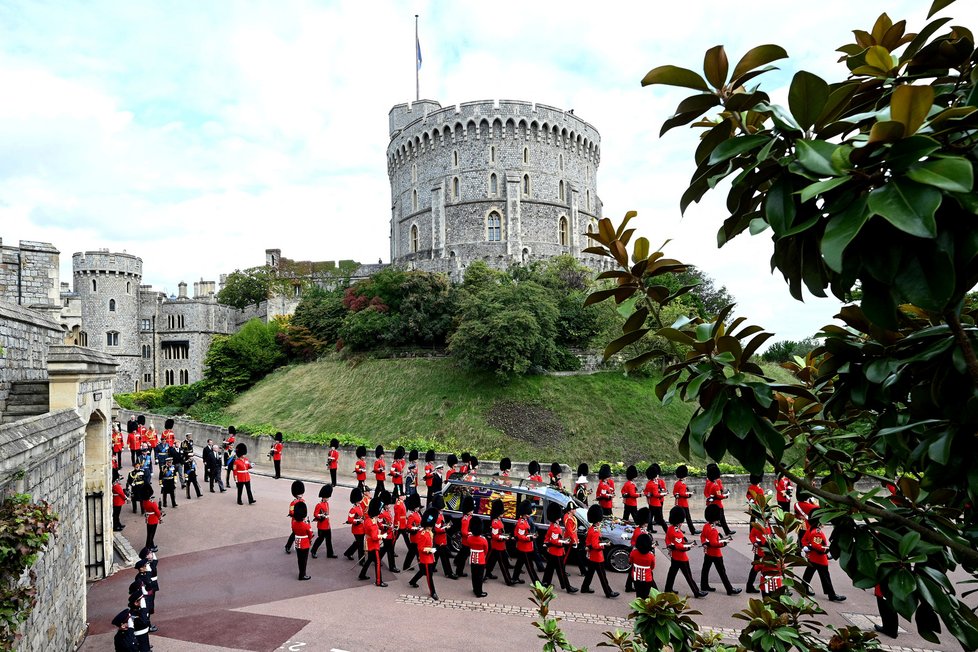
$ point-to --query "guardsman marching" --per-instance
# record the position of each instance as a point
(396, 472)
(321, 516)
(629, 493)
(642, 559)
(467, 506)
(360, 467)
(554, 476)
(715, 494)
(497, 543)
(168, 435)
(573, 553)
(355, 518)
(682, 495)
(595, 553)
(379, 470)
(426, 552)
(298, 490)
(117, 445)
(242, 472)
(582, 486)
(782, 491)
(505, 466)
(442, 525)
(655, 491)
(333, 459)
(555, 542)
(478, 549)
(713, 546)
(452, 461)
(276, 454)
(759, 532)
(533, 468)
(525, 534)
(413, 525)
(302, 534)
(679, 547)
(606, 490)
(754, 490)
(816, 546)
(388, 530)
(372, 537)
(641, 527)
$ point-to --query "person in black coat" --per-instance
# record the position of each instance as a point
(125, 637)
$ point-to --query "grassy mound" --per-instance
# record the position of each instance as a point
(604, 416)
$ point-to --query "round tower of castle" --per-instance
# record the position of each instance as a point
(107, 285)
(503, 182)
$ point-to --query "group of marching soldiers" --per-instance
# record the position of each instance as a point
(134, 623)
(379, 517)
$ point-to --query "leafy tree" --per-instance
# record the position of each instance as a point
(246, 288)
(886, 157)
(236, 362)
(321, 312)
(786, 350)
(368, 329)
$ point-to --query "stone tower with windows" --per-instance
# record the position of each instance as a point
(504, 182)
(107, 287)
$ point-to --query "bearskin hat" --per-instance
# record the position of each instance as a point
(644, 543)
(356, 495)
(298, 488)
(604, 472)
(756, 478)
(241, 450)
(413, 455)
(451, 460)
(475, 526)
(505, 464)
(642, 516)
(232, 431)
(582, 469)
(132, 426)
(429, 518)
(555, 468)
(326, 491)
(553, 512)
(466, 456)
(429, 455)
(278, 436)
(141, 419)
(653, 472)
(147, 491)
(533, 467)
(399, 453)
(375, 507)
(413, 501)
(468, 504)
(115, 475)
(300, 511)
(525, 508)
(168, 424)
(497, 508)
(813, 519)
(676, 516)
(334, 443)
(712, 513)
(631, 472)
(361, 451)
(473, 462)
(712, 471)
(379, 452)
(438, 502)
(594, 514)
(682, 471)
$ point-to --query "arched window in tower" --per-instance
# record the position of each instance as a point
(111, 305)
(82, 338)
(112, 338)
(526, 154)
(94, 285)
(414, 200)
(561, 191)
(494, 227)
(128, 287)
(562, 231)
(587, 203)
(414, 173)
(415, 243)
(560, 159)
(526, 185)
(455, 158)
(184, 377)
(455, 189)
(492, 153)
(493, 185)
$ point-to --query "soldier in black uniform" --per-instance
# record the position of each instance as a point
(125, 638)
(135, 485)
(168, 482)
(140, 621)
(190, 472)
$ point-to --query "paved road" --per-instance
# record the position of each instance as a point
(226, 584)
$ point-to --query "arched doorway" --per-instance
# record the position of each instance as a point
(98, 503)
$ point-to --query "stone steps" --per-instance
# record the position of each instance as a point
(26, 399)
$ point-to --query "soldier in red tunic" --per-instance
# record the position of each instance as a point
(302, 533)
(595, 553)
(525, 535)
(573, 553)
(388, 530)
(606, 490)
(554, 476)
(396, 472)
(533, 468)
(555, 542)
(782, 492)
(655, 491)
(641, 527)
(642, 559)
(682, 495)
(379, 470)
(497, 544)
(276, 454)
(413, 505)
(321, 516)
(441, 527)
(426, 552)
(816, 545)
(754, 490)
(117, 445)
(505, 466)
(153, 516)
(478, 548)
(429, 473)
(452, 462)
(298, 489)
(118, 501)
(629, 493)
(713, 546)
(372, 537)
(715, 494)
(133, 441)
(333, 459)
(355, 519)
(360, 468)
(468, 504)
(242, 473)
(679, 547)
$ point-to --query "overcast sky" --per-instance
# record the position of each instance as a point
(197, 134)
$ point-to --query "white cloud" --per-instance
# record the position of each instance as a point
(196, 135)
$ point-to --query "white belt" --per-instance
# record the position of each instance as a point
(302, 536)
(142, 631)
(642, 567)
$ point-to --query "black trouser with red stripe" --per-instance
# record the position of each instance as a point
(426, 571)
(356, 546)
(708, 562)
(302, 555)
(655, 514)
(373, 557)
(676, 567)
(388, 550)
(689, 520)
(325, 536)
(478, 574)
(592, 567)
(823, 574)
(642, 589)
(412, 552)
(524, 559)
(556, 563)
(503, 559)
(629, 512)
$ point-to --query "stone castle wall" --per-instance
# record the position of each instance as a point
(455, 170)
(25, 336)
(29, 274)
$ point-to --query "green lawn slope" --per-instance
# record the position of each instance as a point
(604, 416)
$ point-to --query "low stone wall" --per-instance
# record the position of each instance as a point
(25, 336)
(44, 456)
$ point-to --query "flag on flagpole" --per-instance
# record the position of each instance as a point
(417, 42)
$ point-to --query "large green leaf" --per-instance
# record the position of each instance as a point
(954, 174)
(715, 66)
(728, 149)
(779, 205)
(807, 97)
(755, 58)
(816, 156)
(817, 188)
(841, 230)
(675, 76)
(910, 105)
(937, 5)
(907, 205)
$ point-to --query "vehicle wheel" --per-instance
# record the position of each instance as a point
(455, 543)
(617, 559)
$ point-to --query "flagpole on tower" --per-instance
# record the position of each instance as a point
(417, 67)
